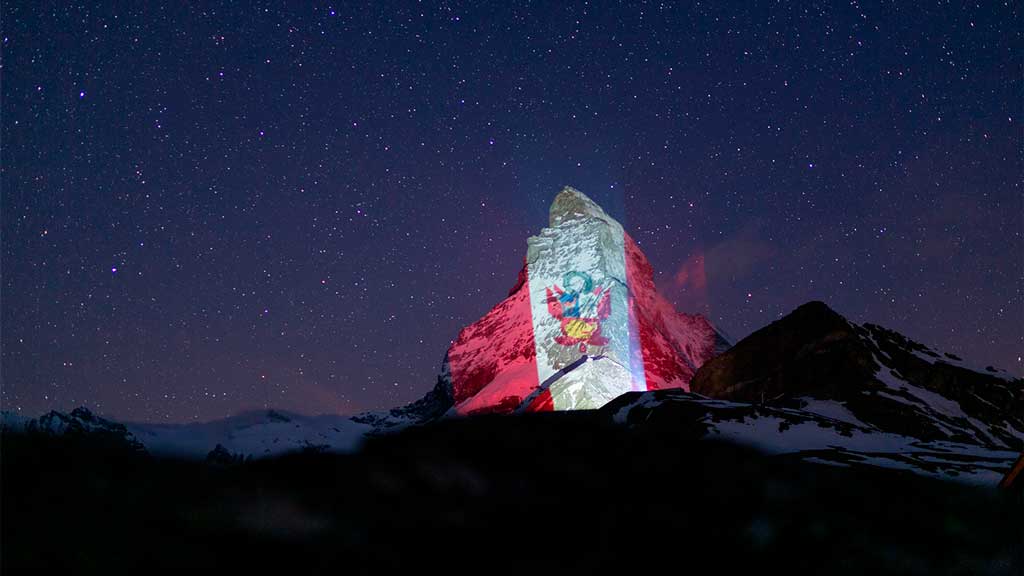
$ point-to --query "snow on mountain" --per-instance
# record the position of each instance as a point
(879, 376)
(978, 406)
(257, 434)
(817, 385)
(824, 432)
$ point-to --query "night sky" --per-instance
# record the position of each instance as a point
(213, 208)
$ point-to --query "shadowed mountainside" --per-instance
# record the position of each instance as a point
(881, 378)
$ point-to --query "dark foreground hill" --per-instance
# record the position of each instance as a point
(541, 492)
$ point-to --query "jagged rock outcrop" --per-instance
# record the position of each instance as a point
(81, 422)
(427, 409)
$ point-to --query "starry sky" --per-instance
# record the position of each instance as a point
(212, 208)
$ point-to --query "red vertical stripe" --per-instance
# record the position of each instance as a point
(493, 363)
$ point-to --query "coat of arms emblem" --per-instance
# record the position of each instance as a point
(580, 307)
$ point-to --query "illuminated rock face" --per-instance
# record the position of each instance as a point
(583, 325)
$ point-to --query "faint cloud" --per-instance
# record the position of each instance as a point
(727, 264)
(738, 256)
(691, 274)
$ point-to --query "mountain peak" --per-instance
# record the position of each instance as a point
(882, 378)
(816, 307)
(586, 292)
(570, 204)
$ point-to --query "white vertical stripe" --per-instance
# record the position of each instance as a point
(592, 247)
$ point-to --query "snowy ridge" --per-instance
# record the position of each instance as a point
(932, 357)
(824, 433)
(256, 434)
(815, 384)
(984, 408)
(253, 434)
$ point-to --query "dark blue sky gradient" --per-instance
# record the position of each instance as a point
(213, 208)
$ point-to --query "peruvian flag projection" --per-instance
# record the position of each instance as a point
(583, 325)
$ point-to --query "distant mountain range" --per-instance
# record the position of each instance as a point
(584, 328)
(811, 386)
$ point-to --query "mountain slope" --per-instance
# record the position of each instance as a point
(582, 324)
(823, 432)
(882, 378)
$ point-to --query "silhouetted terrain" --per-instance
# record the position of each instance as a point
(538, 492)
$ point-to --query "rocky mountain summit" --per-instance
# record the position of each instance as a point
(583, 324)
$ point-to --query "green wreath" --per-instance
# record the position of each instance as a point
(588, 283)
